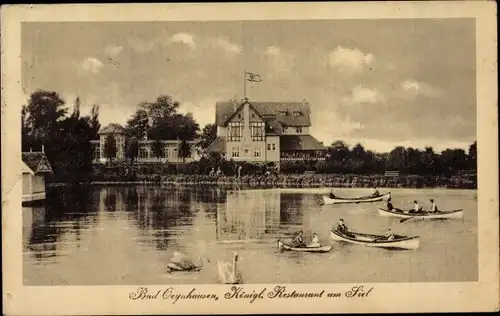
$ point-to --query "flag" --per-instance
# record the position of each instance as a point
(253, 77)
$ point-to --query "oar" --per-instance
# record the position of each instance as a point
(405, 219)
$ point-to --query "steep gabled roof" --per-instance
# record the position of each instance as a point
(113, 128)
(299, 142)
(230, 117)
(223, 110)
(37, 162)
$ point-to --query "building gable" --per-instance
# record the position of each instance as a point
(26, 169)
(37, 162)
(44, 165)
(286, 113)
(240, 116)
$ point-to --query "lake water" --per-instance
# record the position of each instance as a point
(124, 235)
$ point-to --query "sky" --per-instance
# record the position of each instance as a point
(381, 83)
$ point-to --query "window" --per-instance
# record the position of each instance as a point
(174, 153)
(97, 151)
(298, 129)
(143, 152)
(235, 131)
(165, 152)
(235, 152)
(258, 131)
(297, 113)
(283, 113)
(271, 146)
(257, 153)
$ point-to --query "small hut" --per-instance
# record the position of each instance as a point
(35, 167)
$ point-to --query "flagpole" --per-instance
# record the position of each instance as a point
(245, 84)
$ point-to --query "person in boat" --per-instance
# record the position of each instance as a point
(390, 207)
(375, 192)
(298, 239)
(314, 242)
(389, 235)
(332, 196)
(341, 227)
(434, 208)
(416, 208)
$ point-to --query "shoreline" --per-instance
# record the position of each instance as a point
(294, 181)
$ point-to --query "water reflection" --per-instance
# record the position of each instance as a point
(99, 229)
(249, 216)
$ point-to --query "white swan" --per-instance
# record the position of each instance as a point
(228, 272)
(181, 262)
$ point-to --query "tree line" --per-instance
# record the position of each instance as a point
(66, 136)
(406, 160)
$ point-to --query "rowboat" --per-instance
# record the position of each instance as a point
(365, 199)
(283, 246)
(399, 242)
(423, 215)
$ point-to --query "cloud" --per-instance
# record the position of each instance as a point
(113, 50)
(349, 59)
(413, 88)
(226, 45)
(91, 64)
(365, 95)
(272, 50)
(184, 38)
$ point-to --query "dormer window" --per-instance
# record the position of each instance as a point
(283, 113)
(297, 113)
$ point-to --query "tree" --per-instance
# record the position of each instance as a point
(94, 121)
(43, 114)
(208, 135)
(184, 150)
(137, 125)
(453, 160)
(428, 161)
(337, 157)
(160, 120)
(357, 156)
(397, 159)
(132, 148)
(110, 147)
(472, 156)
(157, 149)
(414, 157)
(76, 108)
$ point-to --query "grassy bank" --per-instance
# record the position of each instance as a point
(301, 180)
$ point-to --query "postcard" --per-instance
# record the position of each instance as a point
(250, 158)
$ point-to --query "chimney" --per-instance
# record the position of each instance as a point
(31, 150)
(43, 149)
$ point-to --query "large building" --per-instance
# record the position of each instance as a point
(170, 151)
(265, 132)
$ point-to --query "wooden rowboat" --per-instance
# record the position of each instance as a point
(320, 249)
(379, 241)
(423, 215)
(365, 199)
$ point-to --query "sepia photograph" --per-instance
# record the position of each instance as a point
(250, 151)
